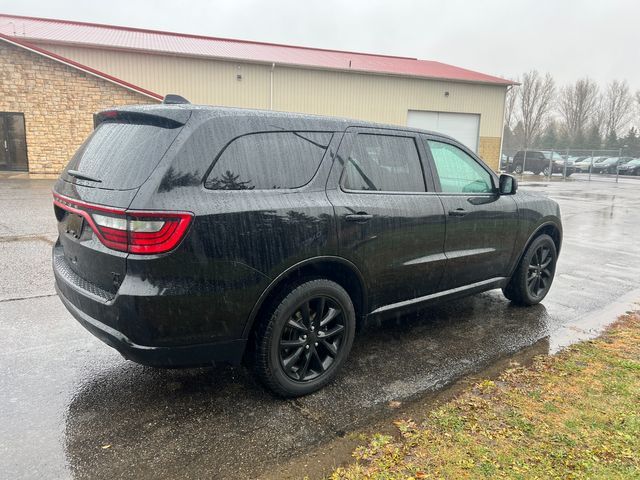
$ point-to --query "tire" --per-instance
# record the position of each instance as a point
(545, 171)
(518, 169)
(292, 355)
(533, 277)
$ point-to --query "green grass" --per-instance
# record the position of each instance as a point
(569, 416)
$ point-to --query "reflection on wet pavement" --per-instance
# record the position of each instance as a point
(72, 407)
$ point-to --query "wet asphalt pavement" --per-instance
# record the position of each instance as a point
(71, 407)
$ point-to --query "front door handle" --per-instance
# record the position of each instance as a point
(360, 217)
(458, 212)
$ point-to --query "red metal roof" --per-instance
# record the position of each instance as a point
(114, 37)
(110, 78)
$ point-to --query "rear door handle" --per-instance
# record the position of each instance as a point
(458, 212)
(360, 217)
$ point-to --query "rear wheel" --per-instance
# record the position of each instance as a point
(546, 171)
(533, 278)
(304, 338)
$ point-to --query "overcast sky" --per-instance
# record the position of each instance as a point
(568, 38)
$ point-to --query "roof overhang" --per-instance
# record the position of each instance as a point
(46, 31)
(78, 66)
(507, 83)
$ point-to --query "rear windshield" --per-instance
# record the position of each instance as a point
(120, 155)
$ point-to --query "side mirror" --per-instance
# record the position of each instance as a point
(508, 184)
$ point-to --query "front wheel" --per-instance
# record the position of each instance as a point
(518, 169)
(532, 279)
(546, 171)
(304, 338)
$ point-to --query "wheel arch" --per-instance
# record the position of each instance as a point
(337, 269)
(549, 227)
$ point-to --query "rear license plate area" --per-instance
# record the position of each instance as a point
(74, 225)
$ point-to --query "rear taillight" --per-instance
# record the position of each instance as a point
(133, 231)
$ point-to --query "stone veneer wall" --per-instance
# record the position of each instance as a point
(58, 103)
(489, 151)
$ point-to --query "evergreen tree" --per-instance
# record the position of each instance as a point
(549, 138)
(611, 142)
(563, 142)
(631, 142)
(518, 135)
(594, 139)
(579, 141)
(509, 143)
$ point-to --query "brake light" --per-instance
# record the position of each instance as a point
(133, 231)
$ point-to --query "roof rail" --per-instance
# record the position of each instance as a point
(173, 99)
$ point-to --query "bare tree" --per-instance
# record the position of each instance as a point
(578, 104)
(598, 119)
(510, 106)
(618, 106)
(535, 97)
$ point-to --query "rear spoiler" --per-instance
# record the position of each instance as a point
(164, 118)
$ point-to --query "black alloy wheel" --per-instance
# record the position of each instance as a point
(540, 271)
(304, 337)
(312, 338)
(533, 276)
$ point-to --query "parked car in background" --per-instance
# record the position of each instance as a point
(606, 165)
(565, 163)
(540, 161)
(585, 164)
(632, 167)
(505, 161)
(192, 235)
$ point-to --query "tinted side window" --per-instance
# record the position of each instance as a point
(458, 172)
(269, 160)
(385, 163)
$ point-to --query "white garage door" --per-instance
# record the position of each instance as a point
(464, 127)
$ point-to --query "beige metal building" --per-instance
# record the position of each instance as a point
(55, 74)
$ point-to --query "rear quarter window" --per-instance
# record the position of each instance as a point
(121, 155)
(269, 160)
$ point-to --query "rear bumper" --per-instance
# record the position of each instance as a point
(164, 356)
(191, 325)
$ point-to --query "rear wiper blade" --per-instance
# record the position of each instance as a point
(82, 176)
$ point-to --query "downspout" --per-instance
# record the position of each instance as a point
(273, 66)
(504, 115)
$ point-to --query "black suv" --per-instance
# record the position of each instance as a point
(194, 235)
(539, 161)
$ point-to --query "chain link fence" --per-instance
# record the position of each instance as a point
(579, 164)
